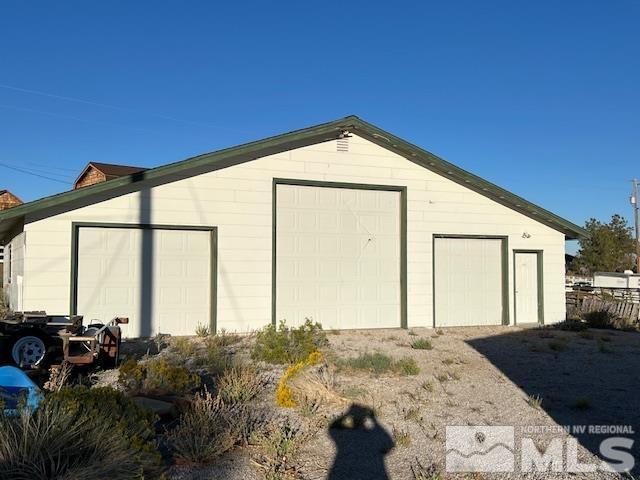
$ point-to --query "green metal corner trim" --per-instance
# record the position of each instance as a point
(213, 267)
(402, 190)
(296, 139)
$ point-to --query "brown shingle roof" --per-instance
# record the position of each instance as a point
(112, 170)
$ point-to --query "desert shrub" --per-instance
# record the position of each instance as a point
(183, 347)
(277, 445)
(239, 384)
(207, 429)
(379, 363)
(406, 366)
(572, 326)
(80, 433)
(284, 394)
(284, 345)
(373, 362)
(223, 339)
(559, 345)
(421, 344)
(202, 330)
(217, 361)
(157, 376)
(599, 319)
(54, 442)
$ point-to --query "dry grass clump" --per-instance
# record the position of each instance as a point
(222, 339)
(59, 377)
(183, 347)
(427, 386)
(412, 414)
(420, 471)
(239, 384)
(209, 428)
(70, 437)
(315, 385)
(534, 401)
(401, 437)
(202, 330)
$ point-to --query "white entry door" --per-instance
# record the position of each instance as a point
(468, 281)
(160, 279)
(526, 287)
(338, 256)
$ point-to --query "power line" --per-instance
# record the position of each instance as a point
(21, 170)
(113, 107)
(71, 117)
(36, 164)
(47, 170)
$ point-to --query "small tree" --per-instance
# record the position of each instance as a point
(609, 247)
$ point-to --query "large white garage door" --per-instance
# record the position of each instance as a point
(338, 256)
(160, 279)
(468, 281)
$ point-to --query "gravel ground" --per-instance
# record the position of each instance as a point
(472, 376)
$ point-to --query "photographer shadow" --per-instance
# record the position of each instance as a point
(361, 444)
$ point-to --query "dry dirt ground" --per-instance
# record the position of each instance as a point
(471, 376)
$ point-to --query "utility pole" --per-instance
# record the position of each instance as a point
(634, 202)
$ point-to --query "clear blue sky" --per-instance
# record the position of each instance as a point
(542, 98)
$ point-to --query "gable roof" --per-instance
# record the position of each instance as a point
(4, 190)
(109, 170)
(113, 170)
(276, 144)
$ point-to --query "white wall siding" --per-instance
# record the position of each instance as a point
(13, 274)
(238, 201)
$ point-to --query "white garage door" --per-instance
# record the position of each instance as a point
(468, 281)
(338, 256)
(160, 279)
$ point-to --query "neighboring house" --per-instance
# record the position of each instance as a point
(342, 223)
(7, 200)
(96, 172)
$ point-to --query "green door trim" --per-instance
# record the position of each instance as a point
(540, 284)
(353, 186)
(213, 268)
(505, 269)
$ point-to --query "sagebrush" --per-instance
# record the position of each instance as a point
(157, 376)
(209, 428)
(284, 345)
(239, 384)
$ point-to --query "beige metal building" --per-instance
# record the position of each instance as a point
(343, 223)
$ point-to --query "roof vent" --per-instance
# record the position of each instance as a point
(342, 144)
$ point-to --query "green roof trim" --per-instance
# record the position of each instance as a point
(276, 144)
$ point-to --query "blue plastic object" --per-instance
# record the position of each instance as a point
(16, 388)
